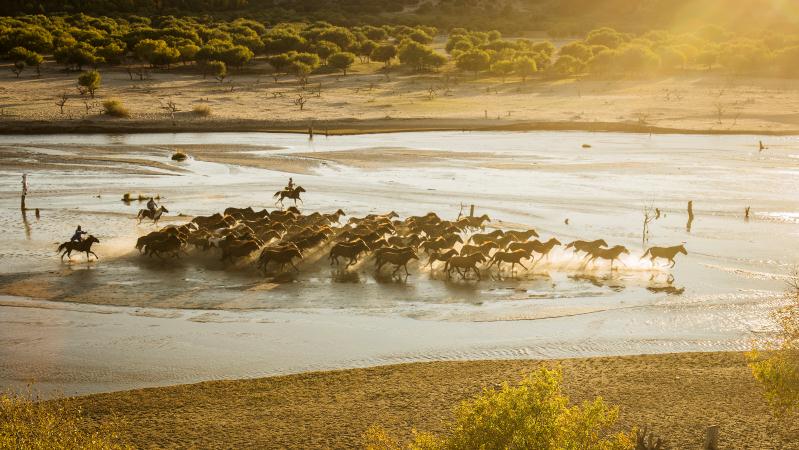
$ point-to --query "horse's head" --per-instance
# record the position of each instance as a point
(485, 217)
(92, 239)
(621, 249)
(299, 189)
(601, 243)
(163, 209)
(392, 214)
(457, 238)
(554, 241)
(340, 212)
(533, 232)
(682, 249)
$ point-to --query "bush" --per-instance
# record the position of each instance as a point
(90, 81)
(202, 110)
(179, 156)
(25, 423)
(341, 61)
(115, 108)
(535, 414)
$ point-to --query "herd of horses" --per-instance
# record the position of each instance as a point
(282, 238)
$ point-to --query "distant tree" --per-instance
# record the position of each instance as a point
(188, 52)
(324, 49)
(282, 41)
(112, 53)
(525, 67)
(89, 82)
(567, 65)
(280, 63)
(503, 68)
(35, 60)
(414, 54)
(545, 48)
(18, 56)
(420, 37)
(376, 34)
(365, 49)
(707, 58)
(605, 61)
(494, 35)
(577, 50)
(638, 59)
(671, 58)
(217, 69)
(341, 61)
(236, 56)
(474, 60)
(606, 36)
(76, 55)
(339, 36)
(434, 60)
(384, 54)
(301, 70)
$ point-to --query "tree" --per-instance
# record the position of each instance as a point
(365, 49)
(503, 68)
(324, 49)
(341, 61)
(89, 81)
(384, 54)
(188, 52)
(535, 414)
(112, 53)
(778, 369)
(578, 50)
(671, 58)
(35, 60)
(606, 36)
(638, 59)
(474, 60)
(18, 56)
(217, 69)
(76, 55)
(567, 65)
(525, 67)
(420, 37)
(236, 56)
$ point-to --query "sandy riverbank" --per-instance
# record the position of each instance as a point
(366, 101)
(677, 395)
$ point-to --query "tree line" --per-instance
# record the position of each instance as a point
(216, 46)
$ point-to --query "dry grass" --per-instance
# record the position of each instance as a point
(114, 108)
(677, 395)
(201, 110)
(28, 424)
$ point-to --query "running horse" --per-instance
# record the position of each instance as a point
(293, 194)
(665, 252)
(84, 246)
(152, 215)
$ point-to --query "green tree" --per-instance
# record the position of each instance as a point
(608, 37)
(341, 61)
(578, 50)
(414, 54)
(112, 53)
(188, 52)
(474, 60)
(301, 70)
(365, 49)
(217, 69)
(35, 60)
(525, 67)
(324, 49)
(535, 414)
(89, 81)
(503, 68)
(384, 54)
(567, 65)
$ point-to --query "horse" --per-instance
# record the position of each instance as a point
(171, 244)
(349, 250)
(481, 238)
(439, 256)
(398, 257)
(84, 246)
(484, 248)
(586, 246)
(610, 254)
(521, 236)
(440, 243)
(665, 252)
(465, 262)
(239, 249)
(152, 215)
(293, 194)
(535, 247)
(514, 257)
(280, 255)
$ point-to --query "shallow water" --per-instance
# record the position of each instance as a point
(717, 297)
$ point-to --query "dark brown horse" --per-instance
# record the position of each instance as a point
(84, 246)
(293, 194)
(152, 215)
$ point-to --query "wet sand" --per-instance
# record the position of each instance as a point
(677, 396)
(176, 315)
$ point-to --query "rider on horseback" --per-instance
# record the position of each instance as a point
(151, 205)
(78, 236)
(290, 186)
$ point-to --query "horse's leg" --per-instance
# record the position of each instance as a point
(292, 265)
(673, 262)
(95, 255)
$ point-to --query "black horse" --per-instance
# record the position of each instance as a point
(84, 246)
(293, 194)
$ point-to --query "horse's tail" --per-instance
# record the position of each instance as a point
(647, 252)
(276, 194)
(62, 247)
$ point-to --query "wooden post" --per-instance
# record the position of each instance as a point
(690, 216)
(712, 438)
(471, 211)
(22, 203)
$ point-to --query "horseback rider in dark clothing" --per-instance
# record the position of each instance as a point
(290, 186)
(78, 236)
(151, 205)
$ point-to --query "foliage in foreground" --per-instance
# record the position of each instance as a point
(534, 414)
(27, 424)
(778, 369)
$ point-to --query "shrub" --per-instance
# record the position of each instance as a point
(341, 61)
(202, 110)
(179, 156)
(534, 414)
(90, 81)
(115, 108)
(25, 423)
